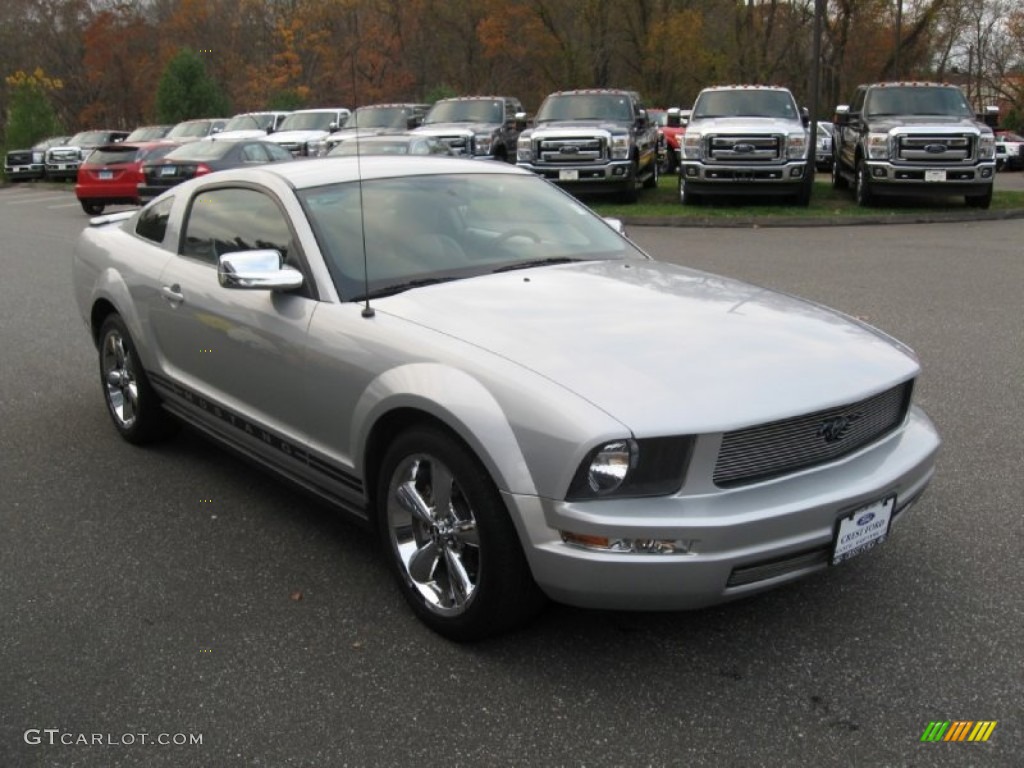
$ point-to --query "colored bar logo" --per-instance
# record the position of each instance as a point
(958, 730)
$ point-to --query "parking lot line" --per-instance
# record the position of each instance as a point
(38, 200)
(62, 205)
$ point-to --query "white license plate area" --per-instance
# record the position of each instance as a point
(566, 175)
(934, 175)
(862, 530)
(168, 170)
(106, 175)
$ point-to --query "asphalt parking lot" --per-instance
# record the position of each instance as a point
(177, 591)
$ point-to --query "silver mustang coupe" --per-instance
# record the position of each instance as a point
(519, 401)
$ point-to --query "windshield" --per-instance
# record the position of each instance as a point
(586, 106)
(435, 228)
(201, 150)
(745, 103)
(1009, 136)
(309, 121)
(379, 117)
(917, 100)
(466, 111)
(89, 139)
(189, 130)
(249, 123)
(148, 133)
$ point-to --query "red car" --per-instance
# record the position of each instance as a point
(671, 137)
(112, 172)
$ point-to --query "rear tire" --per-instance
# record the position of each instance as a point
(651, 182)
(133, 404)
(630, 193)
(449, 540)
(91, 208)
(838, 180)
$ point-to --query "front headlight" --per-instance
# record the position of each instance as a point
(316, 148)
(524, 149)
(796, 146)
(620, 147)
(986, 147)
(878, 146)
(630, 468)
(693, 146)
(482, 144)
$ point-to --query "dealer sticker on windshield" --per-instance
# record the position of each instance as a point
(862, 530)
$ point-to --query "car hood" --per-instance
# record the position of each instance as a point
(662, 348)
(298, 137)
(248, 133)
(744, 124)
(456, 129)
(927, 122)
(581, 127)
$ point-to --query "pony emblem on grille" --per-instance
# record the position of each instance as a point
(835, 429)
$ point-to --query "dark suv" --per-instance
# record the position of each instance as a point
(482, 127)
(593, 141)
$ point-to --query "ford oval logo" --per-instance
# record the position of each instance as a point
(743, 148)
(865, 519)
(935, 149)
(569, 149)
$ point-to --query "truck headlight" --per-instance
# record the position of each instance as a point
(316, 148)
(524, 149)
(632, 468)
(878, 146)
(620, 147)
(986, 147)
(693, 146)
(796, 146)
(482, 144)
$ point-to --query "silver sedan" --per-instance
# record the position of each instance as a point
(516, 398)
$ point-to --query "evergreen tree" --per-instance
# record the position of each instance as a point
(186, 91)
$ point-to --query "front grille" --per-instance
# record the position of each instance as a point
(942, 148)
(745, 149)
(459, 145)
(64, 155)
(570, 150)
(769, 450)
(19, 158)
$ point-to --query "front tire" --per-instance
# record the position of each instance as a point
(449, 540)
(91, 208)
(133, 405)
(862, 191)
(983, 202)
(687, 198)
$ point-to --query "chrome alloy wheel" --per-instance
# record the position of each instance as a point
(121, 385)
(433, 532)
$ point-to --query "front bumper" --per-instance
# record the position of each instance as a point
(719, 179)
(611, 175)
(745, 540)
(62, 170)
(886, 178)
(34, 171)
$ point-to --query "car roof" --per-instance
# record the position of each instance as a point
(305, 174)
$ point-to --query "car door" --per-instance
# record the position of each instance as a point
(234, 358)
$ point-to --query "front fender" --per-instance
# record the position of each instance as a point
(458, 400)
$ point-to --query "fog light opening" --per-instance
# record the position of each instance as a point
(634, 546)
(878, 173)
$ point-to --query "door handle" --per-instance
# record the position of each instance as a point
(172, 293)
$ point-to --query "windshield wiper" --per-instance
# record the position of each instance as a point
(391, 290)
(536, 263)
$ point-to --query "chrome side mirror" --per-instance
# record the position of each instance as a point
(257, 271)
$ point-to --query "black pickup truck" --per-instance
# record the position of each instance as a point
(597, 140)
(479, 127)
(912, 139)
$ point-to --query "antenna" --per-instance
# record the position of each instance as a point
(367, 309)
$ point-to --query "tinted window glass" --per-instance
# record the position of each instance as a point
(152, 223)
(110, 156)
(226, 220)
(276, 152)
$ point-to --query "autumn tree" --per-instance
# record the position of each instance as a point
(31, 116)
(186, 91)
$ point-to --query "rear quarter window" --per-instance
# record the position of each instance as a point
(152, 222)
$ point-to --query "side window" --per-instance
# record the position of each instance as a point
(276, 152)
(226, 220)
(858, 101)
(152, 223)
(253, 153)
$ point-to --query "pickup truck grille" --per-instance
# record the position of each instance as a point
(745, 149)
(19, 158)
(64, 155)
(570, 150)
(780, 447)
(459, 145)
(942, 148)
